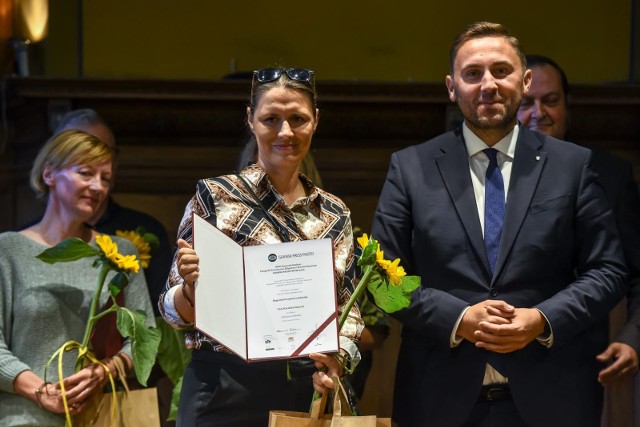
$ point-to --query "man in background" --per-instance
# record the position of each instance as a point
(545, 109)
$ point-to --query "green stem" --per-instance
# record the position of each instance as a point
(362, 285)
(94, 304)
(111, 309)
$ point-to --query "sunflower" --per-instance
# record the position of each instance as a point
(128, 263)
(395, 271)
(144, 248)
(110, 250)
(108, 247)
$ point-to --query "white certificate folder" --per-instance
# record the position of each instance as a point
(265, 302)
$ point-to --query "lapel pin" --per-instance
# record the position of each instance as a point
(537, 157)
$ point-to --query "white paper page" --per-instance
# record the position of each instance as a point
(220, 307)
(290, 294)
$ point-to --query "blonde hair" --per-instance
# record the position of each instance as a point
(70, 147)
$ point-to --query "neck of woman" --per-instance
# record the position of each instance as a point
(288, 184)
(55, 227)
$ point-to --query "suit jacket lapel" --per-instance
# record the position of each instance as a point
(453, 165)
(527, 167)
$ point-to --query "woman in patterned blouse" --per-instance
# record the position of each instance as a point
(219, 388)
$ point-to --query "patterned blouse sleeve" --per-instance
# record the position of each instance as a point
(201, 204)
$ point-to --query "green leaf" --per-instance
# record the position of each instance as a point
(391, 298)
(118, 283)
(173, 358)
(145, 340)
(150, 238)
(175, 398)
(173, 355)
(368, 256)
(67, 250)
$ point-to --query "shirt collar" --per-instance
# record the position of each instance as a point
(506, 145)
(260, 179)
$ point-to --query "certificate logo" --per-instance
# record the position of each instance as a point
(272, 257)
(268, 346)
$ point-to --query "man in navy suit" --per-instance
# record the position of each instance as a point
(505, 328)
(545, 108)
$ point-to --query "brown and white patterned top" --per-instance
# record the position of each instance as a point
(224, 202)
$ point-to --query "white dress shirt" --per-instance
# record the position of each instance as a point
(478, 163)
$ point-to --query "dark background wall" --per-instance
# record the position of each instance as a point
(405, 40)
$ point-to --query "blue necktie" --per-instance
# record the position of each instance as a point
(493, 218)
(493, 207)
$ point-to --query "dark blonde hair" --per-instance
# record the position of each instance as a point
(249, 152)
(70, 147)
(485, 29)
(284, 81)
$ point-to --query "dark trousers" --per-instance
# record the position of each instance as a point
(221, 389)
(498, 413)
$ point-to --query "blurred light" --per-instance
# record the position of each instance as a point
(6, 19)
(31, 19)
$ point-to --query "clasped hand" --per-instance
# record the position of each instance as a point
(497, 326)
(78, 388)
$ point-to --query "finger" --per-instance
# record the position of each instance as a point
(325, 379)
(489, 341)
(187, 254)
(78, 393)
(183, 244)
(189, 262)
(611, 370)
(495, 311)
(500, 342)
(78, 398)
(606, 355)
(497, 348)
(500, 305)
(190, 276)
(504, 329)
(325, 359)
(77, 407)
(608, 377)
(321, 381)
(498, 320)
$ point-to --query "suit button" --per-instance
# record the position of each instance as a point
(493, 292)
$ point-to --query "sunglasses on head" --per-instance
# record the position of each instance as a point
(266, 75)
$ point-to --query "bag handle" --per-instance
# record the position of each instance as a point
(122, 372)
(318, 406)
(340, 395)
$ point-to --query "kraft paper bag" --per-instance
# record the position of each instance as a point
(317, 418)
(136, 408)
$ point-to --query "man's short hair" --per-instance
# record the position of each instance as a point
(539, 60)
(87, 120)
(485, 29)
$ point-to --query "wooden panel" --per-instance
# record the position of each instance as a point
(172, 133)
